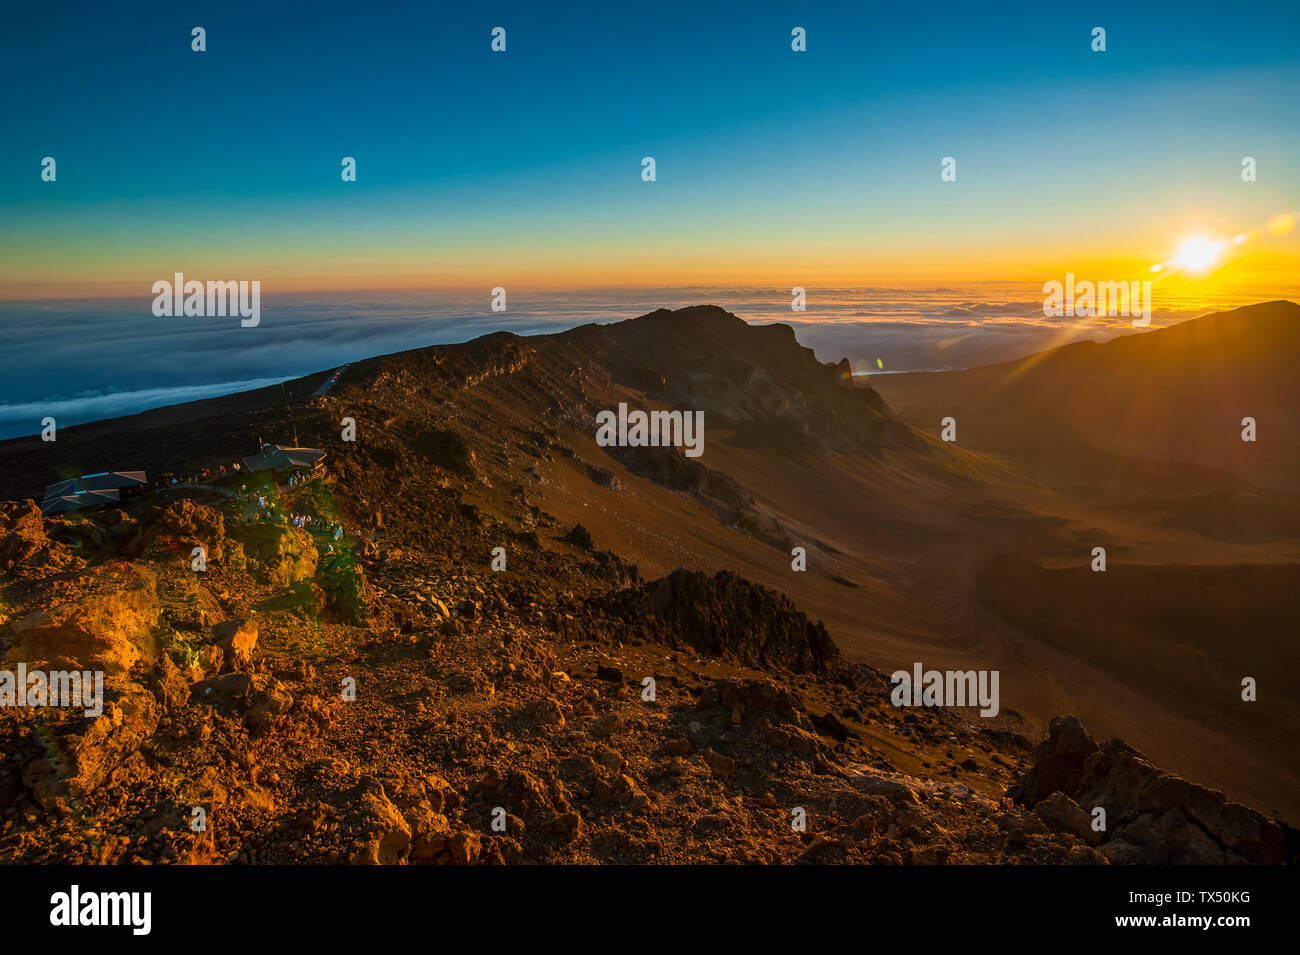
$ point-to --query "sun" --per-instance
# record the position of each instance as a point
(1198, 253)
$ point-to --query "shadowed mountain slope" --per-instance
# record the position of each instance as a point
(1166, 399)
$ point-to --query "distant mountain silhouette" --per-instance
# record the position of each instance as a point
(1175, 396)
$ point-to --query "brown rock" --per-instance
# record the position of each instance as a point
(567, 827)
(465, 848)
(379, 834)
(606, 725)
(183, 524)
(260, 699)
(170, 685)
(82, 755)
(1153, 816)
(721, 766)
(544, 712)
(609, 759)
(724, 615)
(1058, 762)
(237, 638)
(1061, 813)
(24, 546)
(894, 789)
(521, 792)
(1120, 779)
(110, 628)
(211, 658)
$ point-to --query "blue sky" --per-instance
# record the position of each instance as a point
(529, 161)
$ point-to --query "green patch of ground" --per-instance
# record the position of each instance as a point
(308, 640)
(184, 648)
(344, 584)
(299, 598)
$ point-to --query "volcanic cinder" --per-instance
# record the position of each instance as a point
(526, 646)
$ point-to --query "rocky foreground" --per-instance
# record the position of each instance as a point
(383, 701)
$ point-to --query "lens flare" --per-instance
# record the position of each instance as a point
(1198, 253)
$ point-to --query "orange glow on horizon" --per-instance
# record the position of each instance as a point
(1265, 255)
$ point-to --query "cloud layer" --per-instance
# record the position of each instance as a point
(82, 360)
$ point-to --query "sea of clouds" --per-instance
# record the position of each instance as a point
(86, 359)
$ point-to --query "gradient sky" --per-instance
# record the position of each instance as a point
(479, 169)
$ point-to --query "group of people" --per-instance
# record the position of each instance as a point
(198, 477)
(244, 494)
(317, 525)
(266, 511)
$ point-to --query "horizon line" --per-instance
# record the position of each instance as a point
(41, 293)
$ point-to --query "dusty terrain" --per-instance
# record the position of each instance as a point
(518, 694)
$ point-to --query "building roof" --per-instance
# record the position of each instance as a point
(276, 458)
(63, 503)
(103, 481)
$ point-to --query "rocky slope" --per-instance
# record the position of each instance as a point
(392, 696)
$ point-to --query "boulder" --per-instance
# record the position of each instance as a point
(725, 616)
(183, 524)
(606, 725)
(237, 638)
(259, 699)
(1120, 779)
(544, 713)
(210, 659)
(281, 556)
(1060, 813)
(724, 767)
(109, 628)
(1153, 816)
(522, 793)
(24, 545)
(753, 697)
(169, 684)
(375, 830)
(1167, 839)
(83, 752)
(566, 827)
(1058, 762)
(894, 788)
